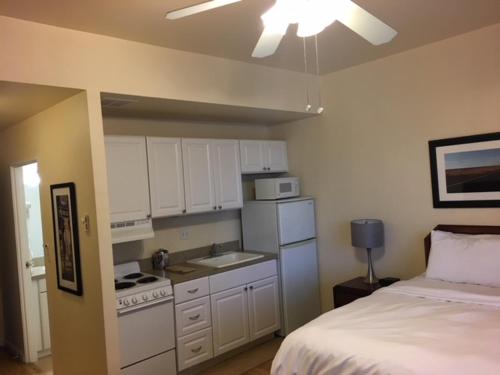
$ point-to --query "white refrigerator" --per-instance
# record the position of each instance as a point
(287, 228)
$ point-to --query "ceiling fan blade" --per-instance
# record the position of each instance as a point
(364, 23)
(203, 7)
(268, 43)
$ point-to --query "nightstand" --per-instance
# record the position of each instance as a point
(351, 290)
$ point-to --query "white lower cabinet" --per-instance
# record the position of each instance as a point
(230, 319)
(263, 307)
(225, 311)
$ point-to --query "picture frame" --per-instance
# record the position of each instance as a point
(66, 238)
(465, 171)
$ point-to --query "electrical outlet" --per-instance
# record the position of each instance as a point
(184, 234)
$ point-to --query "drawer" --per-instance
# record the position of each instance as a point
(241, 276)
(194, 348)
(191, 290)
(192, 316)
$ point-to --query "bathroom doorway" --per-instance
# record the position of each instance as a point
(31, 263)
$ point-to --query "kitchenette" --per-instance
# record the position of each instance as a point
(214, 249)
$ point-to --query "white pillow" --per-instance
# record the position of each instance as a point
(463, 258)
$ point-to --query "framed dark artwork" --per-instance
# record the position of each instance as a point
(465, 171)
(66, 240)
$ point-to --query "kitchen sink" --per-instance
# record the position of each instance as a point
(226, 259)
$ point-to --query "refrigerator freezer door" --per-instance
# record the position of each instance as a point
(296, 221)
(300, 284)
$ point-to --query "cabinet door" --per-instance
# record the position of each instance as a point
(44, 317)
(275, 156)
(127, 178)
(252, 157)
(230, 319)
(166, 180)
(227, 174)
(263, 307)
(198, 180)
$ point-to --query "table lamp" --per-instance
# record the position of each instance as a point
(368, 233)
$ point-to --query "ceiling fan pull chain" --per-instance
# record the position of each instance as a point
(308, 105)
(320, 104)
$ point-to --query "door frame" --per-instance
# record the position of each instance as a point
(26, 290)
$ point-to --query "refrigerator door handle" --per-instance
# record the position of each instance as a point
(295, 244)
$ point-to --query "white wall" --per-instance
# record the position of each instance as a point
(203, 229)
(367, 156)
(34, 219)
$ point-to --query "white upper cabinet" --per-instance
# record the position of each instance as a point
(227, 174)
(128, 186)
(212, 174)
(198, 176)
(166, 178)
(275, 156)
(263, 156)
(252, 156)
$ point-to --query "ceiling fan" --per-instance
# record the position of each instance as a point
(312, 17)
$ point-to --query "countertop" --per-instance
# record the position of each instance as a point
(203, 271)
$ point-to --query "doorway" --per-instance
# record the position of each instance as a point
(31, 264)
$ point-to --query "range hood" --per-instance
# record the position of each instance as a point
(131, 231)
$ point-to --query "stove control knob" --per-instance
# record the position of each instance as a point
(163, 293)
(134, 300)
(144, 297)
(126, 302)
(155, 294)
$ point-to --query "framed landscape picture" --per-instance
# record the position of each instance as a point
(465, 171)
(66, 238)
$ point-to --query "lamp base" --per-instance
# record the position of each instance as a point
(370, 275)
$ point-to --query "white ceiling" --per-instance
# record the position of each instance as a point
(19, 101)
(232, 31)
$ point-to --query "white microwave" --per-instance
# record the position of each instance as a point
(277, 188)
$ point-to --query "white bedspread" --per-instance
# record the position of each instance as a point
(419, 326)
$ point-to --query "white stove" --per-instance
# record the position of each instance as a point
(136, 289)
(144, 304)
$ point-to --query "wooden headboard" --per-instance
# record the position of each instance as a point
(464, 229)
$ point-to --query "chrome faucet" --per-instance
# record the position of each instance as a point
(213, 250)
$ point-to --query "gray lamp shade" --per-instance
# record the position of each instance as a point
(367, 233)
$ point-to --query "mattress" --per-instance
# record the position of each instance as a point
(419, 326)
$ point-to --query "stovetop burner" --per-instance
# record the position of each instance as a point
(124, 285)
(134, 275)
(147, 279)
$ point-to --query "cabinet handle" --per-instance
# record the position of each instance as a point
(193, 291)
(184, 211)
(148, 216)
(196, 317)
(264, 168)
(245, 289)
(220, 207)
(268, 168)
(251, 287)
(215, 207)
(196, 350)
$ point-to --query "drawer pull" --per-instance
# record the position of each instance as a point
(193, 291)
(196, 317)
(196, 350)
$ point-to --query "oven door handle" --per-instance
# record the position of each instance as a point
(144, 305)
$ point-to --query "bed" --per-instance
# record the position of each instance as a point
(419, 326)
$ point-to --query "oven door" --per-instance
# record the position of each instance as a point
(146, 332)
